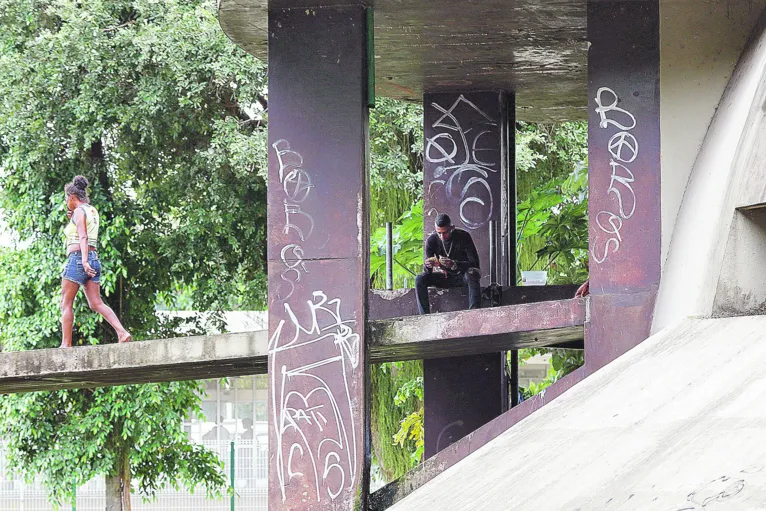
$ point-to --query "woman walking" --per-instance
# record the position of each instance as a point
(83, 267)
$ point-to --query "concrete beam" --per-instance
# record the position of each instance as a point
(473, 332)
(183, 358)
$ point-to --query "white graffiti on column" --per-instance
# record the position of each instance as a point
(305, 405)
(623, 148)
(297, 186)
(461, 163)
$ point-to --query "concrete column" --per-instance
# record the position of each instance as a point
(624, 174)
(469, 174)
(318, 267)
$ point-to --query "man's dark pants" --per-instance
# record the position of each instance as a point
(471, 278)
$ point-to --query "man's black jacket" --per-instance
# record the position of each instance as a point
(459, 247)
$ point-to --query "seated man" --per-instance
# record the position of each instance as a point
(451, 261)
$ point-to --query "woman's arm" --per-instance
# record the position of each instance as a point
(82, 232)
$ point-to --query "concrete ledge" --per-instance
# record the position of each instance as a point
(402, 302)
(183, 358)
(473, 332)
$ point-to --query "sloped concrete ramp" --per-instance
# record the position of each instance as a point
(676, 424)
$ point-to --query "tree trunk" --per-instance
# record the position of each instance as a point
(118, 487)
(113, 494)
(126, 481)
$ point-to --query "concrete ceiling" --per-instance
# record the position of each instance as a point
(537, 48)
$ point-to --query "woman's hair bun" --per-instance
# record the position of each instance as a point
(80, 182)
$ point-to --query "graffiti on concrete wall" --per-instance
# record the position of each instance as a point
(457, 153)
(313, 420)
(313, 354)
(722, 489)
(623, 149)
(297, 186)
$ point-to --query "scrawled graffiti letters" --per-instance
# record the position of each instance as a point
(312, 409)
(623, 148)
(297, 186)
(722, 489)
(310, 402)
(461, 171)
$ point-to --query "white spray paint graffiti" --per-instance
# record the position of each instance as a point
(460, 170)
(297, 185)
(306, 405)
(312, 408)
(623, 147)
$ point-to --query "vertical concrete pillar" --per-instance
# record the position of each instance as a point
(318, 268)
(469, 173)
(624, 174)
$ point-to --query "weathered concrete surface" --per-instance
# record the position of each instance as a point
(318, 246)
(469, 172)
(183, 358)
(701, 42)
(623, 174)
(675, 423)
(536, 48)
(729, 173)
(741, 287)
(472, 332)
(417, 477)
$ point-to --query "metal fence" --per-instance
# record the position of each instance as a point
(249, 479)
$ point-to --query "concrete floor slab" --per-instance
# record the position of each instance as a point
(474, 332)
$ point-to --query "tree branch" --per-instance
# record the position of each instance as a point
(112, 29)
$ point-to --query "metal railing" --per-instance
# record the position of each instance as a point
(247, 458)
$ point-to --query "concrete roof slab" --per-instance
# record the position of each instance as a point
(535, 48)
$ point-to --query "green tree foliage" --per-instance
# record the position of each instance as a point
(552, 218)
(562, 363)
(396, 191)
(552, 209)
(407, 243)
(166, 117)
(396, 160)
(397, 396)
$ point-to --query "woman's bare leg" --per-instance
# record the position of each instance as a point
(93, 293)
(68, 293)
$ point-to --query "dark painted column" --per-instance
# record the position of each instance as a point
(624, 174)
(318, 245)
(469, 174)
(469, 170)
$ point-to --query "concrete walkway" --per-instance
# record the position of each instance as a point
(678, 423)
(182, 358)
(215, 356)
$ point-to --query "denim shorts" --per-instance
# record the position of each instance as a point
(76, 273)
